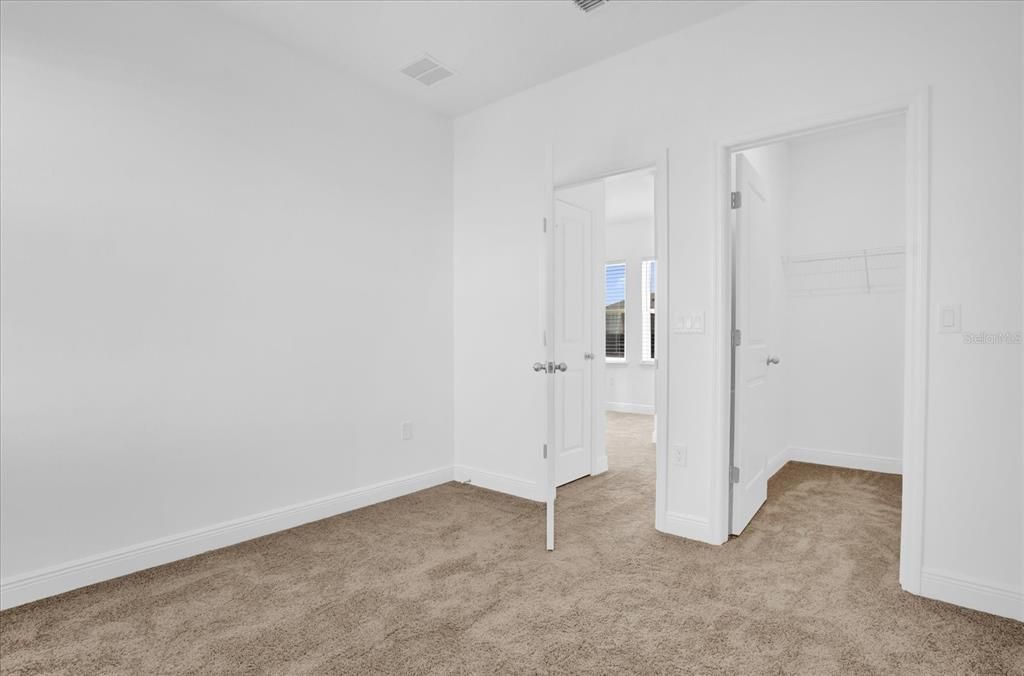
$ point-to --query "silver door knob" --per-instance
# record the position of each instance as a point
(772, 360)
(561, 367)
(539, 367)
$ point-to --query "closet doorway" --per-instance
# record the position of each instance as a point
(818, 306)
(823, 249)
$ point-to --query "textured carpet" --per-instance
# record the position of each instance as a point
(455, 580)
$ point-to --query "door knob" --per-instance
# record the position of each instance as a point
(539, 367)
(561, 367)
(772, 360)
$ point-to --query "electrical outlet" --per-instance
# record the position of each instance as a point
(679, 455)
(407, 430)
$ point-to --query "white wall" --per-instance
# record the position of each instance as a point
(1020, 220)
(226, 280)
(764, 65)
(630, 384)
(844, 357)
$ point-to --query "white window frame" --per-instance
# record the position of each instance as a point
(625, 310)
(646, 355)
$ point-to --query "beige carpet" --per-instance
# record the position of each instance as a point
(455, 580)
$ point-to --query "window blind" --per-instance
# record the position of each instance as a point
(615, 310)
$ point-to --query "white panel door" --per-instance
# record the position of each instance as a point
(572, 341)
(755, 409)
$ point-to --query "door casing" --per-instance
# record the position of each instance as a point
(915, 109)
(660, 166)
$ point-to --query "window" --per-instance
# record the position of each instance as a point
(615, 311)
(649, 283)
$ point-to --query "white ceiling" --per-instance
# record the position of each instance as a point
(495, 47)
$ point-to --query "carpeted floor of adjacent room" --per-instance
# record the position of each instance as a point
(455, 579)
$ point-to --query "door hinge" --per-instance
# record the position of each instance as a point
(736, 200)
(737, 337)
(545, 226)
(734, 475)
(545, 451)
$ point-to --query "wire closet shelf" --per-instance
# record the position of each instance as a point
(845, 272)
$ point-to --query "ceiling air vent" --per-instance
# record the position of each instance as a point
(427, 70)
(589, 5)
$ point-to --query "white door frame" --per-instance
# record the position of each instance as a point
(661, 335)
(915, 108)
(547, 480)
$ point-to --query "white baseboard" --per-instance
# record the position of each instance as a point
(973, 594)
(688, 526)
(39, 584)
(938, 585)
(871, 463)
(777, 462)
(624, 407)
(600, 465)
(502, 483)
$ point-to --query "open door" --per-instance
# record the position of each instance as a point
(569, 391)
(572, 340)
(755, 320)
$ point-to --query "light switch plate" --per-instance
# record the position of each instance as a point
(690, 322)
(949, 319)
